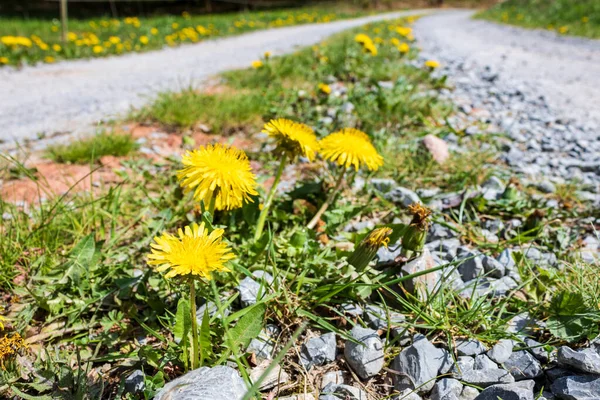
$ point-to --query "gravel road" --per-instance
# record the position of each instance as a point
(566, 70)
(70, 96)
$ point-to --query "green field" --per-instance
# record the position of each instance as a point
(566, 17)
(31, 41)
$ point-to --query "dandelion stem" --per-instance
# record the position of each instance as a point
(265, 211)
(325, 206)
(211, 205)
(195, 349)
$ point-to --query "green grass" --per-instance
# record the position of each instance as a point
(90, 150)
(80, 262)
(580, 18)
(107, 36)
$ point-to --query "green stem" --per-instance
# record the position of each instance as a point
(195, 349)
(325, 206)
(265, 211)
(211, 205)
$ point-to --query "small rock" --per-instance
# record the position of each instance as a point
(538, 350)
(408, 394)
(419, 365)
(469, 393)
(437, 148)
(501, 351)
(487, 377)
(383, 185)
(342, 392)
(423, 285)
(134, 383)
(546, 187)
(463, 364)
(484, 362)
(366, 359)
(378, 318)
(512, 391)
(446, 389)
(522, 324)
(493, 267)
(402, 196)
(249, 288)
(469, 347)
(277, 376)
(335, 377)
(306, 396)
(217, 383)
(577, 388)
(586, 360)
(352, 309)
(471, 267)
(263, 346)
(523, 365)
(318, 351)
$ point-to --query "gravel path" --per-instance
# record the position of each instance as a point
(566, 70)
(539, 88)
(68, 96)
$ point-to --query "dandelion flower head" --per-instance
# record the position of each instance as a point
(193, 251)
(351, 147)
(293, 138)
(221, 171)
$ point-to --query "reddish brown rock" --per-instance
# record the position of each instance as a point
(437, 148)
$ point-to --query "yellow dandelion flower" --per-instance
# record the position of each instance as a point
(585, 20)
(221, 172)
(268, 54)
(351, 147)
(174, 25)
(395, 41)
(54, 28)
(370, 48)
(72, 36)
(432, 64)
(98, 49)
(403, 48)
(293, 138)
(9, 346)
(403, 31)
(154, 31)
(257, 64)
(362, 38)
(193, 251)
(366, 250)
(49, 59)
(144, 39)
(379, 40)
(3, 60)
(325, 88)
(114, 39)
(378, 237)
(563, 29)
(56, 47)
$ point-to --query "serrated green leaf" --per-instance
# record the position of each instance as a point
(571, 319)
(249, 326)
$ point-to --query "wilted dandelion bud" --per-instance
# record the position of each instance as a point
(416, 232)
(535, 220)
(367, 248)
(512, 190)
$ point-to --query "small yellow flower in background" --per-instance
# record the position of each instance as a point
(98, 49)
(193, 251)
(520, 17)
(432, 64)
(403, 31)
(267, 54)
(370, 48)
(563, 29)
(154, 31)
(174, 25)
(49, 59)
(351, 147)
(378, 40)
(585, 20)
(257, 64)
(325, 88)
(218, 173)
(293, 138)
(550, 27)
(56, 48)
(72, 36)
(362, 38)
(54, 28)
(114, 39)
(144, 39)
(395, 41)
(3, 60)
(185, 15)
(403, 48)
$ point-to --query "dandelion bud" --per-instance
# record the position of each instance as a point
(512, 190)
(367, 248)
(416, 232)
